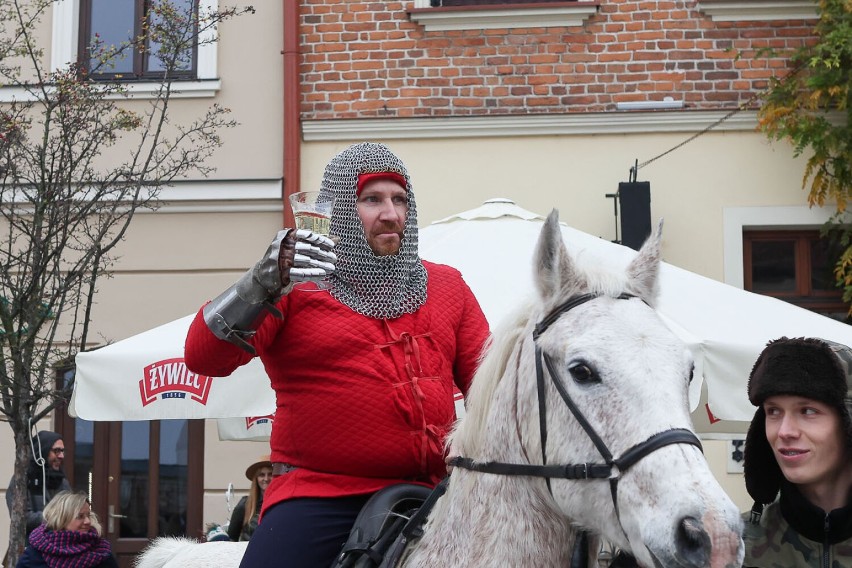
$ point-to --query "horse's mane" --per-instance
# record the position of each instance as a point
(466, 438)
(468, 435)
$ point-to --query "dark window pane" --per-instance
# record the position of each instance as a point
(117, 26)
(775, 253)
(181, 32)
(133, 492)
(824, 255)
(773, 266)
(84, 455)
(113, 22)
(174, 483)
(84, 444)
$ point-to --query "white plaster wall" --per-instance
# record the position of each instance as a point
(690, 187)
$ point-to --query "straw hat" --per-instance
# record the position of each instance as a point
(251, 471)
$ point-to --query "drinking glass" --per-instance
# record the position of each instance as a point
(312, 211)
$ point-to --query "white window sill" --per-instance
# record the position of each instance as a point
(764, 10)
(180, 89)
(487, 18)
(141, 91)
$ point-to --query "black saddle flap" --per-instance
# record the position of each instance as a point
(379, 523)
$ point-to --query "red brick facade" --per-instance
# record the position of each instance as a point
(363, 59)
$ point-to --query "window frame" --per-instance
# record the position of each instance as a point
(65, 48)
(803, 295)
(139, 71)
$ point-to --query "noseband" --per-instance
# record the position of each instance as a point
(583, 470)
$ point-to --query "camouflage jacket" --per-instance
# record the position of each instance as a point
(811, 538)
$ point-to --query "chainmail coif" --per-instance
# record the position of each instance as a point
(383, 287)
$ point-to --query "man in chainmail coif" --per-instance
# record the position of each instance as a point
(363, 366)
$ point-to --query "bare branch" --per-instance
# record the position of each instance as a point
(76, 164)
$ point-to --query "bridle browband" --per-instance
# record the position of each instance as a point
(583, 470)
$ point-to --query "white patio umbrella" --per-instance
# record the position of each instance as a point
(724, 327)
(252, 428)
(142, 377)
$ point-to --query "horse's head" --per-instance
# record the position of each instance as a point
(604, 350)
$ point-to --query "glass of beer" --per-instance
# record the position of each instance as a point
(312, 211)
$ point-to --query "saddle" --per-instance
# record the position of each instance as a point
(393, 518)
(387, 522)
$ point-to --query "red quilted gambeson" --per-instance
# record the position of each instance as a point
(362, 403)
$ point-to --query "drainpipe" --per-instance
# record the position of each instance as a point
(292, 124)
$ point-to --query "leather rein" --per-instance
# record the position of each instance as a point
(582, 470)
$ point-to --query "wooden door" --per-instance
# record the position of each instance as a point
(145, 479)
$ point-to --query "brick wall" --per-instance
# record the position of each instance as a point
(367, 60)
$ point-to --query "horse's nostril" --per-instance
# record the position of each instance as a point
(693, 543)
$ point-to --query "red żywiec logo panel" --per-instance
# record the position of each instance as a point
(258, 420)
(171, 379)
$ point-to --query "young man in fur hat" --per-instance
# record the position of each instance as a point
(798, 460)
(363, 368)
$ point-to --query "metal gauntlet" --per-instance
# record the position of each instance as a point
(294, 256)
(235, 315)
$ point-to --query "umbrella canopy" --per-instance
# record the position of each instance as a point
(725, 327)
(143, 377)
(251, 428)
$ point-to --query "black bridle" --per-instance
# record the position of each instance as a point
(583, 470)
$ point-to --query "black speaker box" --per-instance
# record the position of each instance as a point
(634, 199)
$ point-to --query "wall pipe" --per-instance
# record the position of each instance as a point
(292, 120)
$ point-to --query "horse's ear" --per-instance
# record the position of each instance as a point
(554, 269)
(643, 272)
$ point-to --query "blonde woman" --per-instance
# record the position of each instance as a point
(69, 537)
(247, 512)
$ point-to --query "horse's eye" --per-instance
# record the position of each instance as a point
(691, 374)
(582, 373)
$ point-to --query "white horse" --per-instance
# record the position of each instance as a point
(590, 369)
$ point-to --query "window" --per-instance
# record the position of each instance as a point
(437, 3)
(145, 479)
(65, 48)
(751, 10)
(444, 15)
(109, 31)
(795, 266)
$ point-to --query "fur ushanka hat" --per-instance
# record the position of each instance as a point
(808, 367)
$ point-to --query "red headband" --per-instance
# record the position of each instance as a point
(367, 177)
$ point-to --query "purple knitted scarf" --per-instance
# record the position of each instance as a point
(70, 549)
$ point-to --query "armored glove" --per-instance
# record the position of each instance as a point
(295, 255)
(304, 257)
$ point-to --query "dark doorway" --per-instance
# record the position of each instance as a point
(145, 479)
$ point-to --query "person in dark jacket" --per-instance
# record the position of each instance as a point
(69, 537)
(798, 456)
(45, 477)
(246, 514)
